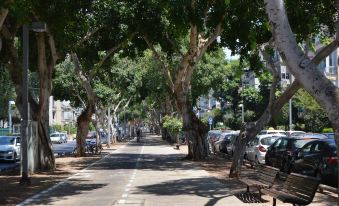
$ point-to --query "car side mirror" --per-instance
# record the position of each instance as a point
(18, 144)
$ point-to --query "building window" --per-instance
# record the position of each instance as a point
(287, 75)
(283, 76)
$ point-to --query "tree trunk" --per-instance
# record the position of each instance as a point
(195, 131)
(82, 127)
(307, 73)
(86, 115)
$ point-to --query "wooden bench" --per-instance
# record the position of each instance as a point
(297, 190)
(264, 178)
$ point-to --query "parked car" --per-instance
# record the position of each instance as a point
(272, 131)
(329, 135)
(294, 133)
(64, 137)
(10, 148)
(257, 148)
(224, 144)
(280, 153)
(212, 138)
(311, 136)
(57, 137)
(318, 158)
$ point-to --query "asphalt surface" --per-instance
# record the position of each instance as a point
(148, 173)
(64, 148)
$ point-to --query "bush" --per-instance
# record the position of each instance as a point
(328, 130)
(172, 124)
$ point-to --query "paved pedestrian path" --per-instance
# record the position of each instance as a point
(148, 173)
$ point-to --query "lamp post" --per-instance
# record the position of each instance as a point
(10, 103)
(36, 27)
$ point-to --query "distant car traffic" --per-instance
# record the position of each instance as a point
(10, 148)
(257, 148)
(317, 158)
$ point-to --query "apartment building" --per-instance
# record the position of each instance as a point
(61, 112)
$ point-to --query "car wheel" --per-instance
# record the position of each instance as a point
(257, 163)
(15, 156)
(284, 167)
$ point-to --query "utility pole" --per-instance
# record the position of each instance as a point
(36, 27)
(109, 127)
(24, 129)
(290, 108)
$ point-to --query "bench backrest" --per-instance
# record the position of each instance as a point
(301, 186)
(267, 174)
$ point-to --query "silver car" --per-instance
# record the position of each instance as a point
(9, 148)
(58, 138)
(256, 149)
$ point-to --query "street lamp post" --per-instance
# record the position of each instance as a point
(36, 27)
(10, 103)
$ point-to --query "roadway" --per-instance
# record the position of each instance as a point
(58, 149)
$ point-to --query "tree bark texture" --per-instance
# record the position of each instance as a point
(305, 71)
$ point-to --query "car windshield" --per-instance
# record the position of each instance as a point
(55, 135)
(268, 140)
(7, 140)
(299, 143)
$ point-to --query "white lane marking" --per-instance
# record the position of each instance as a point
(127, 189)
(38, 195)
(124, 195)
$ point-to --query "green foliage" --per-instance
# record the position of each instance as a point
(172, 124)
(56, 127)
(7, 92)
(328, 130)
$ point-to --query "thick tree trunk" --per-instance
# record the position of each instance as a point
(195, 131)
(82, 127)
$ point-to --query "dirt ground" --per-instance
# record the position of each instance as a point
(12, 193)
(219, 166)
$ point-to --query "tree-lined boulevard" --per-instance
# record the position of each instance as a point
(127, 65)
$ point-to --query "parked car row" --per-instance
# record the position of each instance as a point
(309, 154)
(222, 141)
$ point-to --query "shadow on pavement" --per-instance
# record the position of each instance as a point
(68, 189)
(203, 187)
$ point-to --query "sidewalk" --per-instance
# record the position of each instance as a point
(218, 167)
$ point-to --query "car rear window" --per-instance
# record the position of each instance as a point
(268, 140)
(299, 143)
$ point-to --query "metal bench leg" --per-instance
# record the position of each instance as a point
(248, 189)
(274, 202)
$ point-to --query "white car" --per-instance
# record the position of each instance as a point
(257, 148)
(9, 148)
(58, 138)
